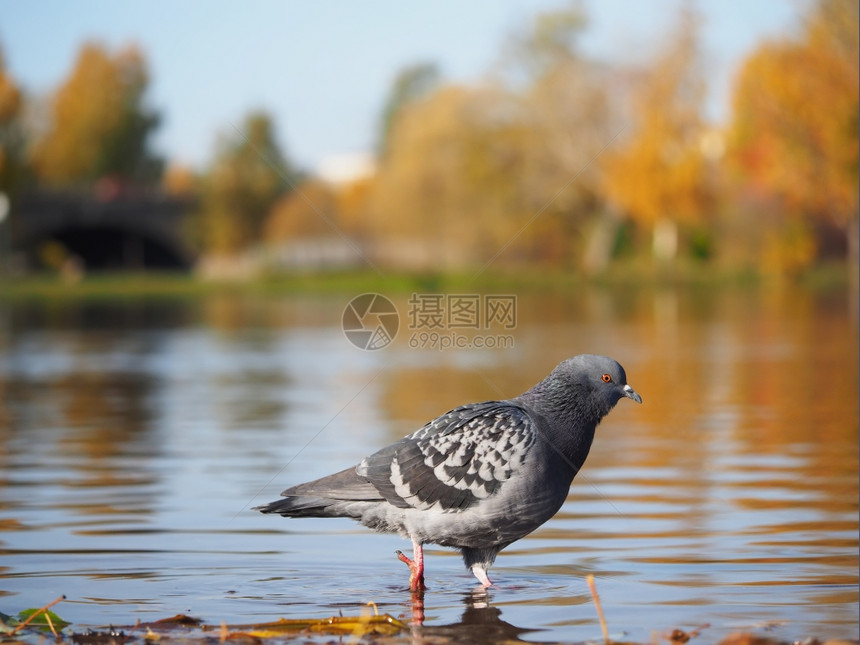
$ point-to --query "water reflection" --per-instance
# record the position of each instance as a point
(134, 436)
(480, 622)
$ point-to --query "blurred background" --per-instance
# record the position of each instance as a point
(244, 141)
(192, 192)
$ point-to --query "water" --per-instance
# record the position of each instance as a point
(135, 437)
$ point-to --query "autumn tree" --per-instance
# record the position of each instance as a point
(793, 140)
(447, 186)
(249, 174)
(99, 124)
(11, 137)
(354, 202)
(493, 172)
(657, 172)
(308, 211)
(570, 120)
(544, 44)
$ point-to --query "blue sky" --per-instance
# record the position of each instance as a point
(323, 68)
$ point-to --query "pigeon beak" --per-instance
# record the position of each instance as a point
(630, 393)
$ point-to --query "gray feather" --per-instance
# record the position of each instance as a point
(480, 476)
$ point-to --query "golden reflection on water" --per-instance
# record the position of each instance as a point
(740, 470)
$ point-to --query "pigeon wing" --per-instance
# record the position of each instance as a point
(456, 460)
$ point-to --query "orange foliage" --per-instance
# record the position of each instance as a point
(353, 206)
(794, 135)
(529, 171)
(179, 181)
(657, 174)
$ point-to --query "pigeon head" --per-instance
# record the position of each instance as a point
(585, 387)
(604, 377)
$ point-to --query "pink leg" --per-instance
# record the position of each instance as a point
(416, 566)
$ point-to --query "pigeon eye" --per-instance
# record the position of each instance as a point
(607, 378)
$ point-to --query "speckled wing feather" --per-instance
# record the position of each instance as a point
(456, 460)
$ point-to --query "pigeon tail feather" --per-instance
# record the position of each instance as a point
(301, 506)
(324, 497)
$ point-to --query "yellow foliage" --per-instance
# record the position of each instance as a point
(179, 181)
(304, 212)
(97, 126)
(521, 173)
(353, 206)
(249, 175)
(787, 249)
(357, 626)
(793, 141)
(449, 177)
(658, 172)
(474, 172)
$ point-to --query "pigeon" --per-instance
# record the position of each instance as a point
(479, 477)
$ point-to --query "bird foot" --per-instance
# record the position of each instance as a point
(416, 569)
(481, 575)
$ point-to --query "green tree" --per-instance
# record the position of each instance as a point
(411, 84)
(548, 42)
(249, 174)
(99, 125)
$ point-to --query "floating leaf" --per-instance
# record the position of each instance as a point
(43, 620)
(179, 619)
(384, 624)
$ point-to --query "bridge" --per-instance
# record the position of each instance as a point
(121, 232)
